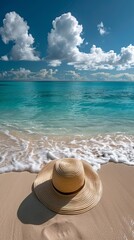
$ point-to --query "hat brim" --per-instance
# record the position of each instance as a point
(75, 203)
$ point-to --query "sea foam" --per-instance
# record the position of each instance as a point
(28, 151)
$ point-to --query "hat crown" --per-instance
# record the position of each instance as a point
(68, 175)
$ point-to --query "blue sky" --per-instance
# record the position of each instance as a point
(67, 40)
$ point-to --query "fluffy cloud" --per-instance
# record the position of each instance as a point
(15, 29)
(64, 39)
(126, 58)
(64, 42)
(47, 74)
(54, 63)
(23, 74)
(73, 75)
(4, 58)
(105, 76)
(102, 30)
(96, 59)
(19, 74)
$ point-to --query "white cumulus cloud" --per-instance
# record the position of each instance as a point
(23, 74)
(64, 39)
(73, 75)
(126, 58)
(15, 29)
(64, 43)
(45, 74)
(106, 76)
(102, 30)
(95, 59)
(4, 58)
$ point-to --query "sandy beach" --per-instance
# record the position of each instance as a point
(22, 216)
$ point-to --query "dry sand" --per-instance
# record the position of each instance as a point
(22, 216)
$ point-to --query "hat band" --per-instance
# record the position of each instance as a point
(68, 193)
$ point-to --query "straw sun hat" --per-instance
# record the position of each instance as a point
(68, 186)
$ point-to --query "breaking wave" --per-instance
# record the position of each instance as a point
(29, 151)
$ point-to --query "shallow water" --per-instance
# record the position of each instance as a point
(41, 121)
(66, 107)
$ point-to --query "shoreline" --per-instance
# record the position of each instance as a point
(28, 152)
(22, 216)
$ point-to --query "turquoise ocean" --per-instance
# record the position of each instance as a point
(42, 121)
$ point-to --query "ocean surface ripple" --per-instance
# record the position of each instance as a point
(42, 121)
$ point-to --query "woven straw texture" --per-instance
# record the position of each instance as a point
(68, 186)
